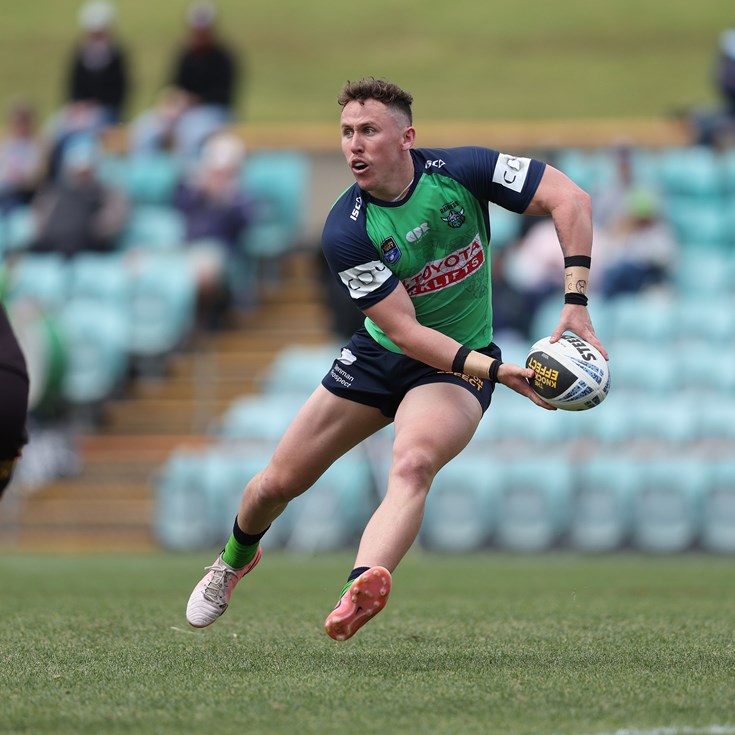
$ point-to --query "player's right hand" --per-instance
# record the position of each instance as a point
(517, 378)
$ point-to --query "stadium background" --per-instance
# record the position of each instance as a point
(651, 469)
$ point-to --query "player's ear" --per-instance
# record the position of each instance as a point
(409, 137)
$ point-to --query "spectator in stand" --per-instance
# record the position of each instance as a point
(78, 212)
(97, 82)
(216, 211)
(639, 250)
(199, 99)
(22, 158)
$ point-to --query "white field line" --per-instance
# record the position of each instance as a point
(709, 730)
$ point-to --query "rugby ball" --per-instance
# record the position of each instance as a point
(571, 374)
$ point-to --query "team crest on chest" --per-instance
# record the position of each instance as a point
(455, 214)
(391, 251)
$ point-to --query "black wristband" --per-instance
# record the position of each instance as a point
(583, 260)
(575, 298)
(459, 359)
(492, 373)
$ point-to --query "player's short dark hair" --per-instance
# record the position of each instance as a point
(369, 88)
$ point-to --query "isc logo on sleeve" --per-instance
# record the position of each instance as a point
(511, 172)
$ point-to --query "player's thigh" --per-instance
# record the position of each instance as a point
(434, 422)
(325, 428)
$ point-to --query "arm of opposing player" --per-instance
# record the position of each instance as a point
(571, 210)
(395, 315)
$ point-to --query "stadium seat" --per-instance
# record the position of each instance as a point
(533, 504)
(147, 178)
(334, 511)
(718, 517)
(298, 369)
(601, 505)
(100, 277)
(96, 339)
(163, 304)
(626, 318)
(154, 227)
(183, 511)
(667, 508)
(17, 230)
(263, 417)
(460, 510)
(280, 180)
(43, 277)
(700, 224)
(705, 272)
(641, 365)
(693, 170)
(708, 319)
(505, 226)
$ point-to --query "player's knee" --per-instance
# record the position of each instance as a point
(415, 469)
(275, 486)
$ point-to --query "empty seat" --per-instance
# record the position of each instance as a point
(299, 368)
(460, 510)
(95, 337)
(163, 304)
(667, 507)
(43, 277)
(154, 227)
(280, 181)
(533, 504)
(147, 178)
(183, 511)
(100, 277)
(262, 417)
(718, 514)
(601, 505)
(693, 170)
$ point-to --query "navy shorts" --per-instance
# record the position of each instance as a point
(367, 373)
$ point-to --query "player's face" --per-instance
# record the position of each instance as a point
(375, 142)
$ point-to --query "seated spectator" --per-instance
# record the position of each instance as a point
(199, 97)
(22, 158)
(97, 81)
(640, 250)
(216, 213)
(78, 212)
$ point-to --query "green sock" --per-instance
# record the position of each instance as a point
(238, 555)
(354, 574)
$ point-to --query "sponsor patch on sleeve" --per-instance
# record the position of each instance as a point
(364, 279)
(511, 172)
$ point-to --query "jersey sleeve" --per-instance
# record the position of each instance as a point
(506, 180)
(351, 255)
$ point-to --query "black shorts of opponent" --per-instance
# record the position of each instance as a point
(367, 373)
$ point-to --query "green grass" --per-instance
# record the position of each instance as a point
(464, 60)
(514, 645)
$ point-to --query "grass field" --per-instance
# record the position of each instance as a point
(462, 59)
(551, 645)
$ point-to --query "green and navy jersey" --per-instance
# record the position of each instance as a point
(435, 241)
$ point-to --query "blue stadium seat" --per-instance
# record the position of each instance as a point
(43, 277)
(705, 272)
(708, 319)
(505, 226)
(334, 511)
(601, 505)
(17, 229)
(100, 277)
(183, 511)
(641, 365)
(460, 510)
(718, 517)
(715, 424)
(154, 227)
(651, 318)
(667, 509)
(163, 304)
(280, 180)
(147, 178)
(699, 223)
(299, 368)
(533, 504)
(263, 417)
(96, 339)
(694, 170)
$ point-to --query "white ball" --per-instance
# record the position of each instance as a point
(571, 374)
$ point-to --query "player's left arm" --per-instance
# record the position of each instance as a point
(571, 210)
